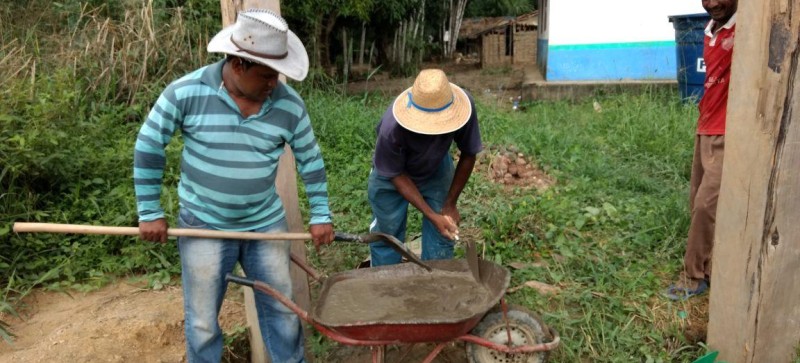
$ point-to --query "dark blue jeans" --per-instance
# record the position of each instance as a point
(390, 214)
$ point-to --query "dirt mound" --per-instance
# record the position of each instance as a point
(506, 165)
(120, 323)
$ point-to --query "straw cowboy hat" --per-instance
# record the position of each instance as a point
(261, 36)
(433, 106)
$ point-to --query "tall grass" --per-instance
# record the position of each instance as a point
(75, 82)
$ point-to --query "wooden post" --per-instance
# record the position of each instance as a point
(755, 292)
(286, 185)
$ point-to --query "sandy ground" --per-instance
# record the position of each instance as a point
(118, 323)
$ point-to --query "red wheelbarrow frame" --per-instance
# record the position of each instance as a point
(377, 354)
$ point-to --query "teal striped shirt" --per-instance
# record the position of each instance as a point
(229, 163)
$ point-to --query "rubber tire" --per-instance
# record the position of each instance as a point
(526, 326)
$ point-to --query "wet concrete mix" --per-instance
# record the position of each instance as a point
(428, 297)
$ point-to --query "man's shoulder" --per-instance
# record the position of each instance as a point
(388, 124)
(193, 79)
(286, 93)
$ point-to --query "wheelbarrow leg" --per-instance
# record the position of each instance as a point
(377, 353)
(434, 353)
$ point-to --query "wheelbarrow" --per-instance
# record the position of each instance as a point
(438, 301)
(407, 304)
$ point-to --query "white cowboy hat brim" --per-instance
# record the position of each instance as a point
(445, 121)
(294, 65)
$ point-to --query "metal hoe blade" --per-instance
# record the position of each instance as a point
(397, 246)
(472, 260)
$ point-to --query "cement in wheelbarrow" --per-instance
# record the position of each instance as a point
(408, 304)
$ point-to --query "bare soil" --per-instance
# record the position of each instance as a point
(121, 322)
(498, 85)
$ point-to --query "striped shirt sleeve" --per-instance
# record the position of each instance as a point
(149, 157)
(310, 165)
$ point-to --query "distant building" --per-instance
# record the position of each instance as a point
(501, 41)
(589, 40)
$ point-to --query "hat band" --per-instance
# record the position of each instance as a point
(257, 54)
(425, 109)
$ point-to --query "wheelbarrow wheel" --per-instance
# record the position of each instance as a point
(526, 328)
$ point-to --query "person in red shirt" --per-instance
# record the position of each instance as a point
(709, 148)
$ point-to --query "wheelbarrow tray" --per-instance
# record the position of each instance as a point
(445, 315)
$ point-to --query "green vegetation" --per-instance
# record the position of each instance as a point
(609, 233)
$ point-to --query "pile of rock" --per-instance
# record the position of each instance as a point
(508, 166)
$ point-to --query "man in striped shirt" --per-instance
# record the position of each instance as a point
(235, 117)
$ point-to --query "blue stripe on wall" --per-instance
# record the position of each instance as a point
(612, 62)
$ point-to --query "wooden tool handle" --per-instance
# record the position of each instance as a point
(134, 231)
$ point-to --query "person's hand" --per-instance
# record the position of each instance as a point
(321, 234)
(445, 226)
(154, 231)
(452, 212)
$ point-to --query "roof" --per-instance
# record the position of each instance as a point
(473, 27)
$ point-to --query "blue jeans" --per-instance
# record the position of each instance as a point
(204, 264)
(390, 213)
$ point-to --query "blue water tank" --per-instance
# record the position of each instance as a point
(689, 34)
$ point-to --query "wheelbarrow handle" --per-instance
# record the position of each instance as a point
(229, 277)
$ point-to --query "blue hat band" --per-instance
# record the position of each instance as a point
(425, 109)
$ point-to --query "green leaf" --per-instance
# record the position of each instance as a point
(591, 211)
(580, 222)
(164, 262)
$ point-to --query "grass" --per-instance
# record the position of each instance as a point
(610, 232)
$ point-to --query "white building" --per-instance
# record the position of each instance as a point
(591, 40)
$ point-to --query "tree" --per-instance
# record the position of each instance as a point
(452, 24)
(317, 20)
(481, 8)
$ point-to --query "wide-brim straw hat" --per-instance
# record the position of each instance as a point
(433, 105)
(262, 36)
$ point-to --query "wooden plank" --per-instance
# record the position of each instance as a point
(286, 184)
(231, 7)
(258, 351)
(755, 295)
(287, 189)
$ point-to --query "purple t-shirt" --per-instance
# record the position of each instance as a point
(399, 150)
